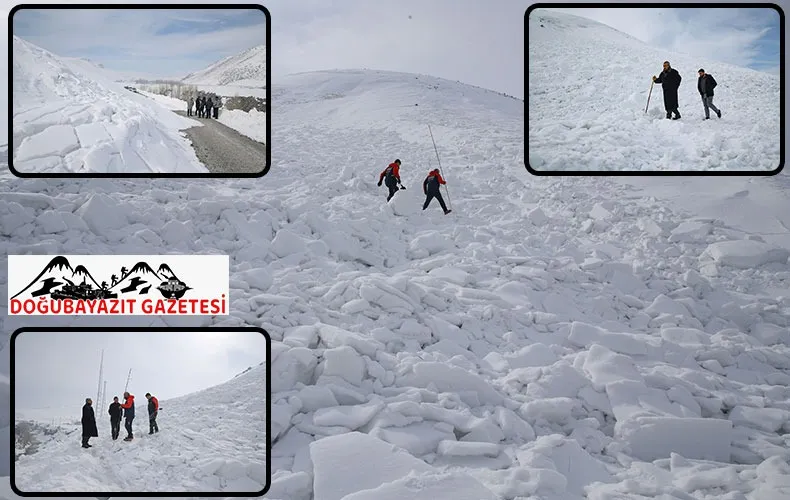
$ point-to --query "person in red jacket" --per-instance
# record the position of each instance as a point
(391, 177)
(430, 186)
(128, 412)
(153, 410)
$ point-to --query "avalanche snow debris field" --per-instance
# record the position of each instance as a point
(553, 338)
(588, 87)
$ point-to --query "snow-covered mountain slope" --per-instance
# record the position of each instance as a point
(588, 87)
(69, 116)
(550, 338)
(212, 440)
(246, 69)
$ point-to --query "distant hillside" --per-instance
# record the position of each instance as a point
(247, 69)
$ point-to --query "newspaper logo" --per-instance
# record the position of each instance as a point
(122, 285)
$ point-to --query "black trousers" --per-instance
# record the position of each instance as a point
(430, 196)
(129, 426)
(116, 427)
(152, 423)
(393, 187)
(85, 441)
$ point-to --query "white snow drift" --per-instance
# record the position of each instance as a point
(588, 87)
(553, 338)
(70, 116)
(212, 440)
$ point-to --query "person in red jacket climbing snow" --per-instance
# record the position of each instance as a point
(128, 413)
(430, 186)
(153, 410)
(391, 177)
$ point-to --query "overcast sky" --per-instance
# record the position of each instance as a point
(57, 369)
(474, 41)
(155, 42)
(741, 36)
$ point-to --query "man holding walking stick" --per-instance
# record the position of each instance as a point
(669, 79)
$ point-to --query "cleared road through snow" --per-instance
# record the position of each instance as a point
(223, 150)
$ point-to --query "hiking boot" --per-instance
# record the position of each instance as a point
(669, 115)
(718, 113)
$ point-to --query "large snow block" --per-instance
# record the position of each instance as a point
(652, 438)
(745, 254)
(352, 462)
(428, 487)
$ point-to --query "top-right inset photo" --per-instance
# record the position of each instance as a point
(654, 91)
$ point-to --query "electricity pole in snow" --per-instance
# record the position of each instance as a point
(101, 374)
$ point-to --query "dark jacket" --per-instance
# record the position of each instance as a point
(391, 174)
(670, 81)
(128, 407)
(706, 84)
(88, 422)
(432, 182)
(115, 411)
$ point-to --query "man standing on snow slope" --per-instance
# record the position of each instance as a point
(670, 81)
(392, 174)
(153, 410)
(430, 186)
(115, 417)
(705, 85)
(89, 429)
(128, 413)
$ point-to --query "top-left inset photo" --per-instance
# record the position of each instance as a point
(139, 90)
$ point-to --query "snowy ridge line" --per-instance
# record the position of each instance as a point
(619, 321)
(597, 118)
(248, 65)
(212, 440)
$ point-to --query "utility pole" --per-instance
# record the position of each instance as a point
(101, 374)
(104, 395)
(128, 378)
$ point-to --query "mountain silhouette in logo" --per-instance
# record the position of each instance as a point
(173, 288)
(59, 273)
(139, 278)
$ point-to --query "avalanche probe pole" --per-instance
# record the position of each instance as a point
(648, 95)
(449, 204)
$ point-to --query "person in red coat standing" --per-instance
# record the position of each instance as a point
(430, 186)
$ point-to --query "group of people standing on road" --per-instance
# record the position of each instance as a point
(206, 106)
(116, 411)
(669, 78)
(430, 186)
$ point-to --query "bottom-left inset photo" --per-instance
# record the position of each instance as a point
(158, 410)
